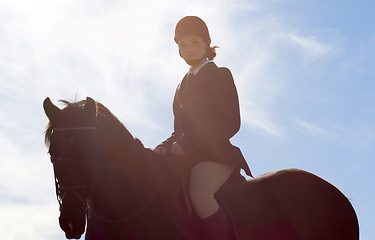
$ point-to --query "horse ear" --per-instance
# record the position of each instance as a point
(90, 107)
(50, 109)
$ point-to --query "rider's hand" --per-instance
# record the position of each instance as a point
(177, 150)
(159, 150)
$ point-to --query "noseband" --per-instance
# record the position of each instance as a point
(80, 190)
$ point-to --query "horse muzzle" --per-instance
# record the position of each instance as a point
(73, 230)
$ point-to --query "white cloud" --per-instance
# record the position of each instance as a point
(260, 121)
(25, 173)
(31, 221)
(311, 130)
(310, 45)
(28, 207)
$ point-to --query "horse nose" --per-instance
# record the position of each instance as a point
(73, 235)
(70, 234)
(77, 236)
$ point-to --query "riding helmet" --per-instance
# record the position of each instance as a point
(192, 25)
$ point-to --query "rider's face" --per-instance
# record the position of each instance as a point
(192, 47)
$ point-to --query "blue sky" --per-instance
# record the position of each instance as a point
(305, 73)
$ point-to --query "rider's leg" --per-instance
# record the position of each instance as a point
(206, 179)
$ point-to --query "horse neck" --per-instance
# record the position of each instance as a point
(133, 179)
(119, 147)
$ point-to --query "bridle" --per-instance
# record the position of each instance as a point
(80, 190)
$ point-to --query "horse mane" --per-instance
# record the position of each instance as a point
(104, 117)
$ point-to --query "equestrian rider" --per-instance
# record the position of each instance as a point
(206, 115)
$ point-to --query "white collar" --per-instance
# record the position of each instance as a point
(199, 68)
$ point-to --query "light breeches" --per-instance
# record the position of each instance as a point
(206, 179)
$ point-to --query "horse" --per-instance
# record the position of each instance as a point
(111, 187)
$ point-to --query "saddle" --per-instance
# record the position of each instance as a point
(176, 202)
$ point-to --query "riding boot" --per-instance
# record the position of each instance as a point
(216, 226)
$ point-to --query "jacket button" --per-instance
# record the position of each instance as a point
(180, 106)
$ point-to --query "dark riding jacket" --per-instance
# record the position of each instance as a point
(207, 115)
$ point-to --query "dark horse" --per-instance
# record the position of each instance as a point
(106, 176)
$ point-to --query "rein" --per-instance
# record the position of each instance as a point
(61, 190)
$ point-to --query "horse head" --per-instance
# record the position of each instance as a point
(91, 150)
(71, 135)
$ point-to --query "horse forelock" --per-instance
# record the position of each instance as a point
(68, 105)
